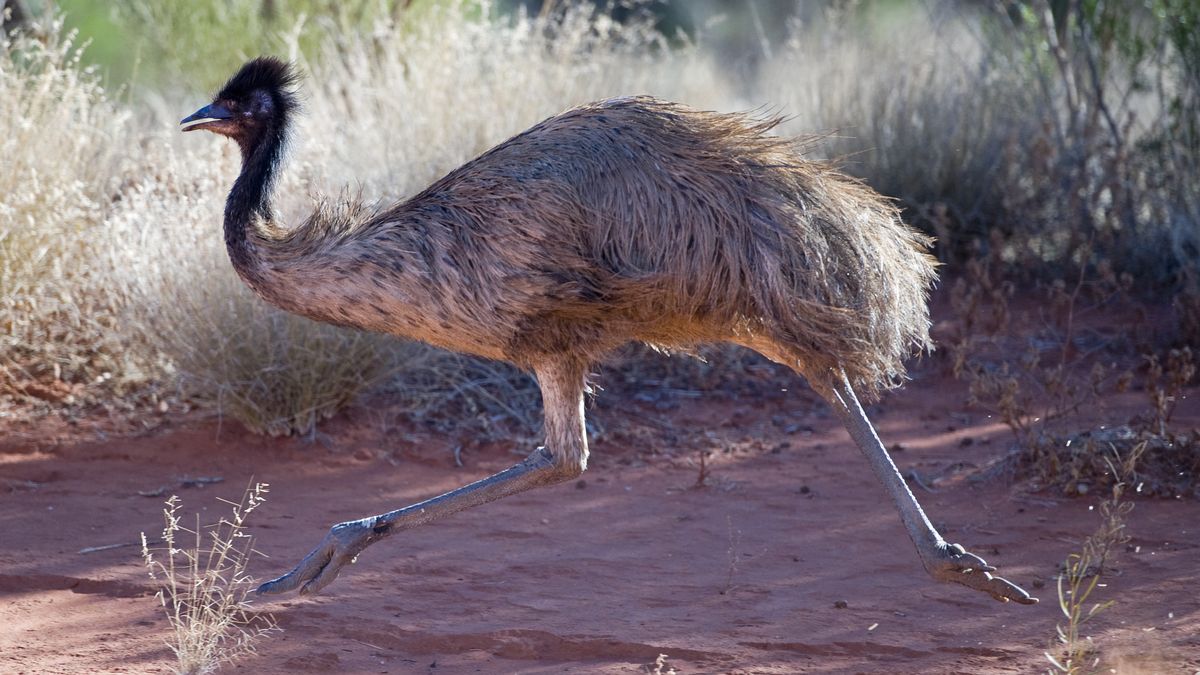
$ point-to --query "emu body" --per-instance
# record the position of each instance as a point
(630, 219)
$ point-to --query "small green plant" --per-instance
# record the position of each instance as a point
(203, 586)
(1081, 577)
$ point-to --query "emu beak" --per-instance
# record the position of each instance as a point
(209, 115)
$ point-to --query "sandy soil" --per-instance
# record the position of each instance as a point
(790, 560)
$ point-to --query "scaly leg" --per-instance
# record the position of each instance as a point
(944, 561)
(564, 458)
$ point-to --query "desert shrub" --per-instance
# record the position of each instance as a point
(1112, 170)
(275, 372)
(1045, 373)
(1066, 128)
(913, 107)
(112, 267)
(402, 106)
(60, 312)
(456, 393)
(1163, 464)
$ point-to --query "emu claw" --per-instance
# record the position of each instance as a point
(321, 567)
(956, 565)
(1000, 588)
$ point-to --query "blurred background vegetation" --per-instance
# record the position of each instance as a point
(1051, 143)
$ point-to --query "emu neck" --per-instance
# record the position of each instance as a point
(250, 199)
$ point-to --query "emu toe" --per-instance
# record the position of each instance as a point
(998, 587)
(320, 567)
(955, 564)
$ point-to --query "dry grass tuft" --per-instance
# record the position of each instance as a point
(203, 587)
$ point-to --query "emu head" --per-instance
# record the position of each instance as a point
(253, 105)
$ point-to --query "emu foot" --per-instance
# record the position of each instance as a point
(319, 568)
(951, 562)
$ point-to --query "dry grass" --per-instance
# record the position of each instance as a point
(1051, 140)
(59, 311)
(204, 584)
(915, 107)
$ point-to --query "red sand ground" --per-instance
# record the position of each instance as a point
(743, 576)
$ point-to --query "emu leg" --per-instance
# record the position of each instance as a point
(944, 561)
(346, 540)
(563, 458)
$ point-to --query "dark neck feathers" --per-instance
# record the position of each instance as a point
(250, 199)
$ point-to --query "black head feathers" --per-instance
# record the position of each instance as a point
(265, 73)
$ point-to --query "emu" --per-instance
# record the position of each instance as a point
(628, 219)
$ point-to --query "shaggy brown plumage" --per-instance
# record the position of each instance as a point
(627, 219)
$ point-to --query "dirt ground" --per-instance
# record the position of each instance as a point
(790, 560)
